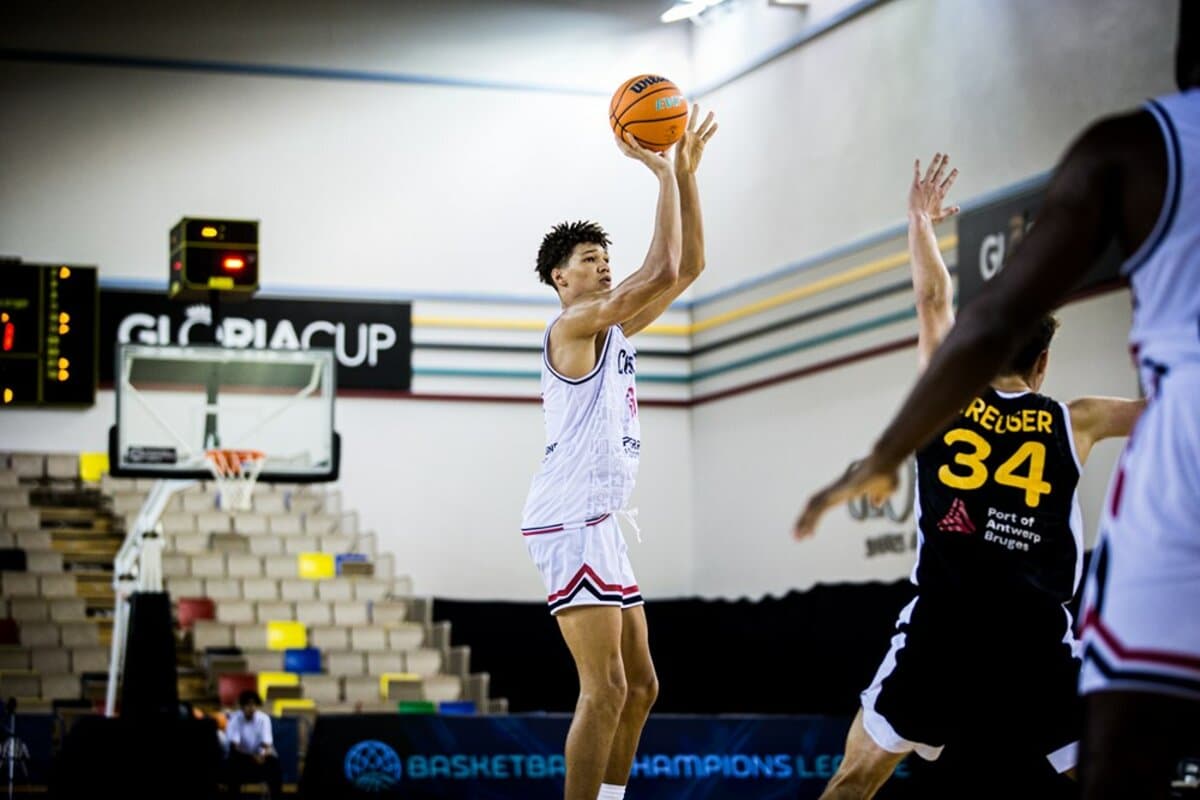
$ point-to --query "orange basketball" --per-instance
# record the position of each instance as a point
(652, 109)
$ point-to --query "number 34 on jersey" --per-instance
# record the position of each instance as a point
(1023, 470)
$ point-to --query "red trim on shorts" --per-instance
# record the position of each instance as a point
(587, 571)
(556, 528)
(1092, 620)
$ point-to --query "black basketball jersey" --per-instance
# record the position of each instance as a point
(997, 510)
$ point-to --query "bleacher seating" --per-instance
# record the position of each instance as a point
(290, 583)
(54, 627)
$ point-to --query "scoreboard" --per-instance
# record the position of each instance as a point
(48, 335)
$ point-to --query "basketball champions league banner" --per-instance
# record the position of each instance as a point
(520, 756)
(371, 340)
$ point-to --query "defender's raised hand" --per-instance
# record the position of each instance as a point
(926, 195)
(690, 148)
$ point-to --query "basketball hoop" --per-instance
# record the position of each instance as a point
(235, 472)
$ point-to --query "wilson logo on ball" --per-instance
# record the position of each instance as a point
(645, 83)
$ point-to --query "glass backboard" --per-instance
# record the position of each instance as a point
(174, 403)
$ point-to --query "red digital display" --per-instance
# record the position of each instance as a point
(10, 332)
(233, 264)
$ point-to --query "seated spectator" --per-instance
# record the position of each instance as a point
(252, 756)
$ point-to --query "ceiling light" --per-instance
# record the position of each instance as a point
(688, 9)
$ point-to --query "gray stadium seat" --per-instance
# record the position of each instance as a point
(350, 612)
(384, 661)
(345, 662)
(368, 639)
(284, 524)
(405, 636)
(314, 612)
(329, 637)
(50, 660)
(266, 544)
(260, 588)
(39, 634)
(423, 661)
(236, 612)
(297, 589)
(323, 689)
(335, 589)
(388, 612)
(79, 634)
(272, 610)
(210, 633)
(223, 588)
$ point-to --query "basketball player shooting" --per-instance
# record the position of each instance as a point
(1133, 179)
(1001, 553)
(593, 440)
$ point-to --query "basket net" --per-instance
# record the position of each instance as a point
(235, 472)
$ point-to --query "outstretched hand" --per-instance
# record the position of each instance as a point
(691, 147)
(870, 477)
(927, 194)
(657, 162)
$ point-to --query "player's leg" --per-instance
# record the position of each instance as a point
(1141, 662)
(865, 766)
(641, 692)
(593, 635)
(902, 710)
(1133, 741)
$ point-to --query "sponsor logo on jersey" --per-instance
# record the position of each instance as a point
(957, 520)
(626, 363)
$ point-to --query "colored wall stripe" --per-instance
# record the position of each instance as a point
(839, 279)
(806, 344)
(825, 284)
(779, 352)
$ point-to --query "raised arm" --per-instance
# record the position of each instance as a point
(1093, 197)
(933, 290)
(1094, 419)
(658, 273)
(691, 261)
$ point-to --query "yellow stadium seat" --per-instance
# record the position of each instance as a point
(316, 566)
(92, 466)
(286, 635)
(388, 677)
(303, 703)
(268, 679)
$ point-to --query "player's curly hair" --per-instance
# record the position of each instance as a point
(1038, 342)
(561, 240)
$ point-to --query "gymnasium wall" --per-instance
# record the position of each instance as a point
(365, 186)
(1003, 87)
(832, 128)
(368, 184)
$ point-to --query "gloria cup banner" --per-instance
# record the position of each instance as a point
(520, 756)
(371, 340)
(989, 234)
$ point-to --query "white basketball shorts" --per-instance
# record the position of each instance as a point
(1141, 610)
(586, 564)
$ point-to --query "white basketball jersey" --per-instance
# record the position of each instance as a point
(1165, 271)
(593, 439)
